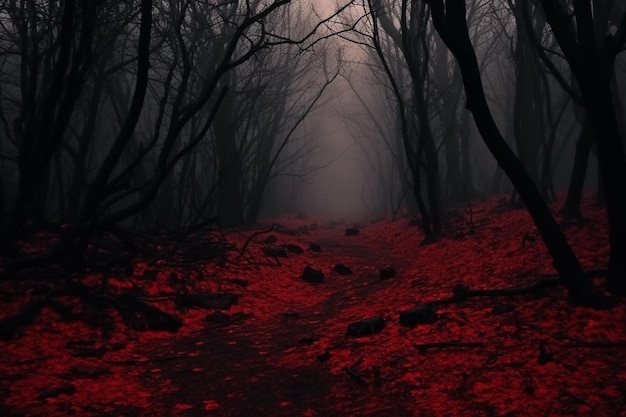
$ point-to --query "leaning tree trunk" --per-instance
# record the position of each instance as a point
(612, 174)
(590, 51)
(451, 25)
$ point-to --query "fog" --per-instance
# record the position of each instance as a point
(346, 185)
(338, 188)
(189, 113)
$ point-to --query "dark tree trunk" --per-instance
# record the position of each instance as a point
(466, 160)
(452, 27)
(571, 207)
(591, 51)
(431, 168)
(34, 125)
(449, 88)
(77, 236)
(230, 191)
(411, 39)
(612, 173)
(529, 103)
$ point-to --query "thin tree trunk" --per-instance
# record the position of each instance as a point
(592, 60)
(452, 27)
(571, 207)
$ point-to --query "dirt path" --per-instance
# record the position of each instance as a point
(285, 351)
(280, 366)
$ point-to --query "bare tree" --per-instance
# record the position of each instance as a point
(111, 102)
(377, 133)
(449, 18)
(591, 37)
(402, 53)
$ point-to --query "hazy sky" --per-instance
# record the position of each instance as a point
(336, 189)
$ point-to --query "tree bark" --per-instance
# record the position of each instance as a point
(571, 207)
(449, 20)
(591, 50)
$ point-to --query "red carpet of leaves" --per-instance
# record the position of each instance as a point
(544, 358)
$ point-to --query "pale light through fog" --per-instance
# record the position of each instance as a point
(337, 189)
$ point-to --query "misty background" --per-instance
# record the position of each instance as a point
(349, 136)
(172, 115)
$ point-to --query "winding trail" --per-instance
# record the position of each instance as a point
(287, 364)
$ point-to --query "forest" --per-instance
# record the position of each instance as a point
(312, 207)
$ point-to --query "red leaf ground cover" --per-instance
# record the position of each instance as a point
(285, 351)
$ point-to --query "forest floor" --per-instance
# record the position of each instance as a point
(282, 349)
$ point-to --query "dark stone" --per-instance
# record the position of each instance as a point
(275, 252)
(386, 273)
(56, 391)
(290, 314)
(238, 281)
(270, 239)
(323, 357)
(220, 301)
(294, 248)
(312, 275)
(174, 281)
(352, 231)
(366, 327)
(418, 315)
(162, 321)
(149, 275)
(460, 291)
(342, 269)
(89, 371)
(315, 247)
(308, 340)
(138, 292)
(117, 346)
(502, 308)
(139, 315)
(218, 318)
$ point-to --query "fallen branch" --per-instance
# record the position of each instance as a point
(252, 236)
(423, 347)
(577, 343)
(462, 293)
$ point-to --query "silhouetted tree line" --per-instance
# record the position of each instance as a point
(561, 73)
(167, 115)
(151, 115)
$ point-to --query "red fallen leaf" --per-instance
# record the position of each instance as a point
(210, 405)
(182, 407)
(501, 379)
